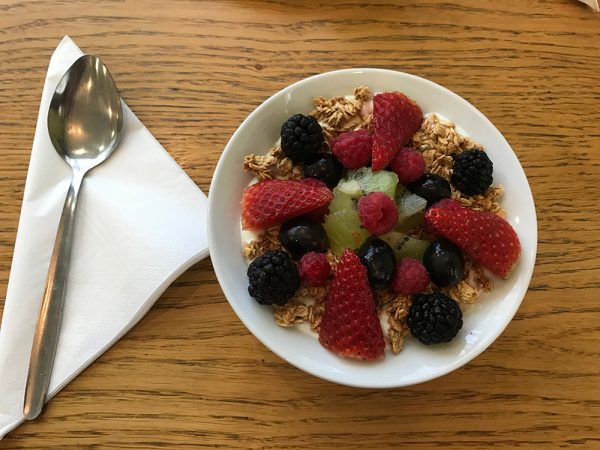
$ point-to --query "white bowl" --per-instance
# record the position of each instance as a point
(483, 321)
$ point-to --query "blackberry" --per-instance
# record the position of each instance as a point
(434, 318)
(273, 278)
(472, 173)
(301, 137)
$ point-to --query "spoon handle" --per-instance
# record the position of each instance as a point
(45, 340)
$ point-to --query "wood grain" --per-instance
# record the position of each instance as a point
(190, 375)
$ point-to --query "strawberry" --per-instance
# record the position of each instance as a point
(316, 215)
(350, 325)
(486, 237)
(270, 202)
(396, 118)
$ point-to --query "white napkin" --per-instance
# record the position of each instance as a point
(592, 4)
(141, 222)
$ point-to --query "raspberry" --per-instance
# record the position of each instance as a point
(377, 212)
(353, 149)
(409, 165)
(410, 278)
(314, 269)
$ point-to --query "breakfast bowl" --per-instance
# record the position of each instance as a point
(483, 321)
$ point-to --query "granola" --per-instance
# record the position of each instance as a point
(438, 140)
(340, 114)
(269, 240)
(397, 311)
(307, 306)
(274, 165)
(474, 282)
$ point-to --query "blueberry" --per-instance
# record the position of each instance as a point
(431, 187)
(324, 167)
(301, 235)
(378, 257)
(444, 262)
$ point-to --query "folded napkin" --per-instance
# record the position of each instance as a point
(141, 222)
(592, 4)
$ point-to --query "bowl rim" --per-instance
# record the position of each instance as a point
(460, 360)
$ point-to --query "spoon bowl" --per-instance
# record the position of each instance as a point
(85, 120)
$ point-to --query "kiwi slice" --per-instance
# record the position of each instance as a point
(363, 181)
(404, 245)
(341, 200)
(411, 209)
(342, 224)
(350, 187)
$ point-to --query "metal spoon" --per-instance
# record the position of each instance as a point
(85, 120)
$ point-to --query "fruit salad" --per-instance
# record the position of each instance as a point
(371, 223)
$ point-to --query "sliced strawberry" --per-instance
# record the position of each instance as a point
(350, 326)
(486, 237)
(271, 202)
(396, 118)
(318, 214)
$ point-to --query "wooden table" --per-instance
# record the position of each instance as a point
(190, 375)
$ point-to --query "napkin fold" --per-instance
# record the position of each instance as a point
(141, 222)
(592, 4)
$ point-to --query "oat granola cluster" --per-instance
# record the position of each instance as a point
(437, 140)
